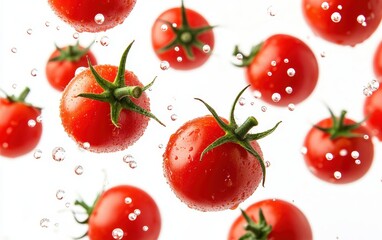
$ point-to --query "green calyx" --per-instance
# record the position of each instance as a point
(256, 231)
(186, 36)
(72, 53)
(246, 59)
(339, 128)
(21, 98)
(238, 134)
(117, 94)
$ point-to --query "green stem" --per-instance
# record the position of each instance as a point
(242, 130)
(23, 95)
(133, 91)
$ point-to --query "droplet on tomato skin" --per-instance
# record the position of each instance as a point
(117, 233)
(291, 72)
(34, 72)
(273, 63)
(325, 5)
(174, 25)
(14, 50)
(343, 152)
(304, 150)
(105, 41)
(58, 154)
(361, 20)
(176, 49)
(85, 145)
(358, 162)
(367, 92)
(337, 175)
(289, 90)
(269, 74)
(179, 59)
(373, 85)
(206, 48)
(355, 154)
(132, 216)
(44, 222)
(128, 200)
(137, 212)
(79, 70)
(329, 156)
(99, 18)
(257, 94)
(60, 194)
(79, 170)
(339, 7)
(366, 137)
(145, 228)
(37, 154)
(39, 119)
(276, 97)
(31, 123)
(291, 107)
(286, 60)
(164, 65)
(336, 17)
(29, 31)
(164, 27)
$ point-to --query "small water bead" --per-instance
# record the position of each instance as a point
(164, 27)
(79, 70)
(337, 175)
(291, 107)
(269, 74)
(58, 154)
(34, 72)
(286, 60)
(242, 101)
(39, 119)
(273, 63)
(117, 233)
(29, 31)
(170, 107)
(127, 158)
(14, 86)
(44, 223)
(367, 92)
(304, 150)
(132, 216)
(174, 25)
(60, 194)
(76, 35)
(336, 17)
(99, 18)
(267, 164)
(343, 152)
(206, 48)
(276, 97)
(174, 117)
(325, 5)
(31, 123)
(366, 137)
(263, 108)
(257, 94)
(137, 212)
(37, 154)
(145, 228)
(358, 162)
(239, 56)
(179, 59)
(67, 204)
(86, 145)
(128, 200)
(79, 170)
(291, 72)
(176, 49)
(339, 7)
(373, 85)
(355, 154)
(164, 65)
(323, 54)
(14, 50)
(329, 156)
(160, 146)
(47, 23)
(271, 11)
(58, 28)
(5, 145)
(104, 41)
(289, 90)
(361, 20)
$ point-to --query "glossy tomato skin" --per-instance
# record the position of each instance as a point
(162, 38)
(344, 22)
(16, 136)
(59, 73)
(288, 222)
(116, 207)
(283, 65)
(81, 14)
(88, 121)
(223, 178)
(377, 62)
(373, 113)
(335, 160)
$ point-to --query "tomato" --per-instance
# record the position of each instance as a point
(282, 68)
(105, 107)
(121, 212)
(344, 22)
(92, 15)
(212, 165)
(377, 61)
(271, 219)
(64, 62)
(338, 150)
(183, 38)
(20, 128)
(373, 113)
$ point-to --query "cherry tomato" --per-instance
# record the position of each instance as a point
(121, 212)
(64, 62)
(373, 113)
(271, 219)
(109, 116)
(377, 61)
(20, 128)
(212, 165)
(338, 150)
(344, 22)
(282, 68)
(92, 15)
(183, 38)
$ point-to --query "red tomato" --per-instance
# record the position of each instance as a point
(92, 15)
(183, 38)
(377, 62)
(20, 129)
(64, 62)
(373, 113)
(345, 22)
(281, 220)
(211, 169)
(338, 150)
(110, 116)
(282, 68)
(123, 212)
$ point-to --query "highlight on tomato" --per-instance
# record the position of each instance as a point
(63, 63)
(121, 212)
(372, 110)
(106, 107)
(338, 150)
(92, 15)
(20, 125)
(183, 38)
(282, 69)
(343, 22)
(274, 219)
(213, 164)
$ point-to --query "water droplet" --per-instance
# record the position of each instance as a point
(291, 72)
(174, 25)
(239, 56)
(170, 107)
(86, 145)
(79, 70)
(291, 107)
(14, 50)
(304, 150)
(129, 159)
(79, 170)
(271, 11)
(37, 154)
(325, 6)
(276, 97)
(44, 223)
(29, 31)
(174, 117)
(329, 156)
(4, 145)
(176, 49)
(358, 162)
(242, 101)
(343, 152)
(117, 233)
(267, 164)
(145, 228)
(31, 123)
(257, 94)
(323, 54)
(263, 108)
(339, 7)
(47, 23)
(361, 19)
(160, 146)
(289, 90)
(164, 27)
(373, 85)
(269, 74)
(286, 60)
(58, 28)
(137, 212)
(60, 194)
(367, 92)
(99, 18)
(58, 154)
(128, 200)
(355, 154)
(179, 59)
(67, 204)
(336, 17)
(34, 72)
(132, 216)
(104, 41)
(76, 35)
(164, 65)
(206, 48)
(273, 63)
(337, 175)
(39, 119)
(366, 137)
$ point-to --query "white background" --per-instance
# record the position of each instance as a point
(28, 186)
